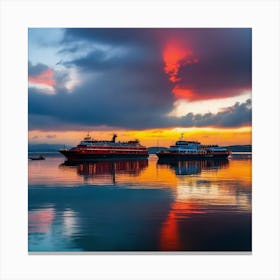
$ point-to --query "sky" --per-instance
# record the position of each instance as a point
(152, 84)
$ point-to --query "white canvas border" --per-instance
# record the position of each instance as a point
(17, 16)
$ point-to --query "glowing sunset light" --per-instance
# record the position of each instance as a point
(151, 137)
(169, 236)
(174, 57)
(183, 93)
(139, 139)
(126, 81)
(45, 78)
(183, 106)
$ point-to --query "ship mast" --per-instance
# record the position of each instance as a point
(88, 137)
(182, 136)
(114, 138)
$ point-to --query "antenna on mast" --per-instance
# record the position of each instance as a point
(88, 137)
(114, 138)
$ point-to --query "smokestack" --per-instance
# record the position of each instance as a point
(114, 138)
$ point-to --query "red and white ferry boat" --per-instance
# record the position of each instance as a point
(91, 149)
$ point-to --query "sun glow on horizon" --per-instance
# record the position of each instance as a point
(151, 137)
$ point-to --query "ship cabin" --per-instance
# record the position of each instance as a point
(214, 148)
(89, 141)
(182, 145)
(86, 141)
(218, 149)
(136, 141)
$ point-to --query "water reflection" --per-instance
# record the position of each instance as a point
(97, 219)
(192, 167)
(103, 170)
(212, 209)
(168, 206)
(40, 220)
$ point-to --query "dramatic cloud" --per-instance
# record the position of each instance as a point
(224, 68)
(176, 56)
(45, 78)
(235, 116)
(131, 78)
(40, 74)
(202, 63)
(50, 80)
(128, 113)
(35, 70)
(137, 102)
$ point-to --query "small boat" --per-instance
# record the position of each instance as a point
(37, 158)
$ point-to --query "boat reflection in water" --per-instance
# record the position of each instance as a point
(107, 168)
(193, 167)
(136, 205)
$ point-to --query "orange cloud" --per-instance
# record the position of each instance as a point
(184, 93)
(175, 55)
(44, 78)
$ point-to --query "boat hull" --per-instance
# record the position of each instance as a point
(76, 156)
(186, 156)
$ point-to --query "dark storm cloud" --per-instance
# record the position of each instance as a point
(235, 116)
(125, 58)
(60, 77)
(65, 111)
(124, 84)
(225, 63)
(130, 99)
(111, 36)
(34, 70)
(224, 55)
(123, 88)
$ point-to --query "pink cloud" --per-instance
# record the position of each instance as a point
(44, 78)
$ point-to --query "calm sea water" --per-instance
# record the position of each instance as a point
(141, 205)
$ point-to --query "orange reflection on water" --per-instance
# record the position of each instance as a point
(153, 176)
(198, 188)
(169, 238)
(146, 173)
(48, 172)
(112, 167)
(220, 189)
(239, 171)
(169, 235)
